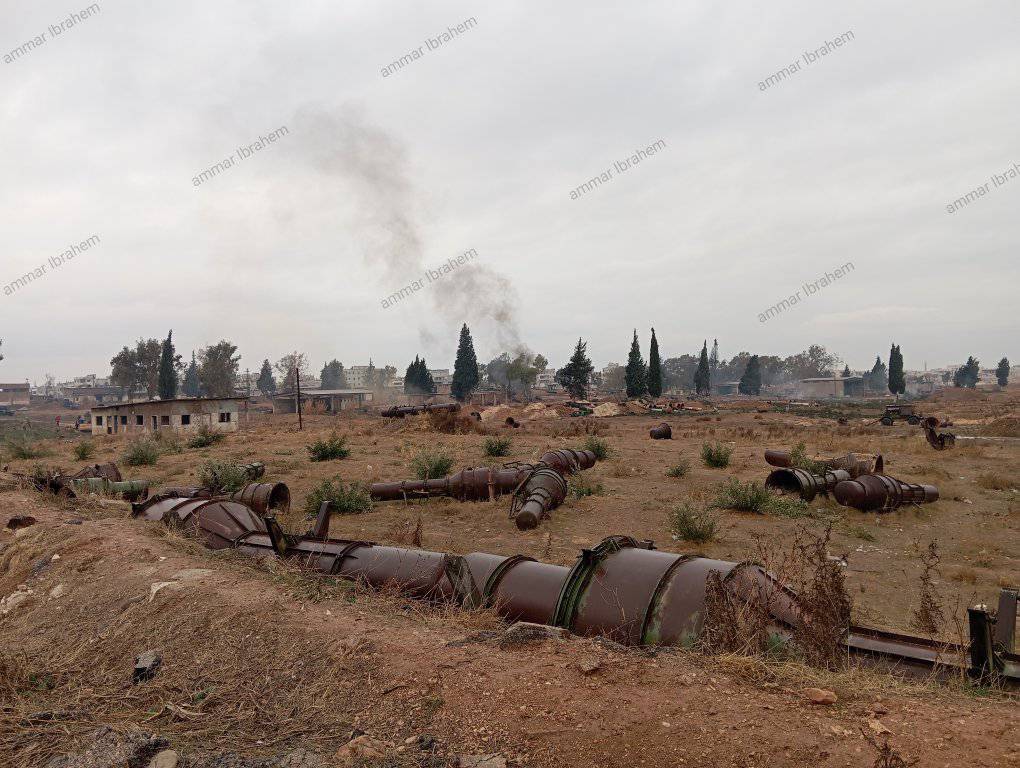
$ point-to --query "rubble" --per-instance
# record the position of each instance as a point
(937, 440)
(400, 411)
(146, 666)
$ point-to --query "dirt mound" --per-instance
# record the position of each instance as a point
(1007, 426)
(608, 409)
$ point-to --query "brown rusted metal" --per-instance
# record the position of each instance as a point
(854, 463)
(882, 493)
(482, 483)
(661, 432)
(109, 471)
(264, 497)
(512, 422)
(99, 478)
(806, 484)
(540, 492)
(400, 411)
(622, 588)
(937, 440)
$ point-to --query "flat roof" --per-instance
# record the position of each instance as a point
(165, 402)
(314, 392)
(835, 378)
(15, 385)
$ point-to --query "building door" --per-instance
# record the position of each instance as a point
(155, 424)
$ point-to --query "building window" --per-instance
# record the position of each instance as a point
(185, 419)
(164, 421)
(139, 420)
(123, 420)
(99, 421)
(225, 417)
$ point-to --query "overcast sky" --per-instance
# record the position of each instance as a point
(477, 144)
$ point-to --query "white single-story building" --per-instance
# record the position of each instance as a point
(183, 414)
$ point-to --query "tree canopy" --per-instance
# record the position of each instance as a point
(575, 376)
(465, 367)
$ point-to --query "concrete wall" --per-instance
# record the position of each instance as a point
(15, 394)
(176, 416)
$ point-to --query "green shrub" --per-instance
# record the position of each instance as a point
(717, 456)
(688, 523)
(205, 437)
(168, 442)
(222, 477)
(430, 463)
(141, 452)
(680, 469)
(581, 485)
(751, 497)
(84, 450)
(598, 446)
(347, 498)
(20, 448)
(333, 447)
(497, 446)
(800, 460)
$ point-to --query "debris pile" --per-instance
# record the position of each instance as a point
(400, 411)
(102, 479)
(661, 432)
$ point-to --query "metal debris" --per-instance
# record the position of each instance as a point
(937, 440)
(882, 493)
(621, 589)
(99, 478)
(806, 484)
(661, 432)
(400, 411)
(854, 463)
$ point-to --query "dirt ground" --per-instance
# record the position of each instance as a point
(260, 660)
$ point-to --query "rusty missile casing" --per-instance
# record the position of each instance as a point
(538, 494)
(400, 411)
(806, 484)
(621, 588)
(855, 464)
(264, 497)
(482, 483)
(661, 432)
(937, 440)
(882, 493)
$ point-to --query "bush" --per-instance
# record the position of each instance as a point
(598, 446)
(333, 447)
(688, 523)
(84, 450)
(141, 452)
(581, 485)
(347, 498)
(717, 456)
(497, 446)
(205, 437)
(680, 469)
(222, 477)
(430, 463)
(751, 497)
(800, 460)
(19, 448)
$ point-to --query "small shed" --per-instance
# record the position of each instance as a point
(18, 393)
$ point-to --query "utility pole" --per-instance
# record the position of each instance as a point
(297, 379)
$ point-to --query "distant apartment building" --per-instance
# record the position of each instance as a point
(183, 414)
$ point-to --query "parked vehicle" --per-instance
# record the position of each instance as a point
(895, 413)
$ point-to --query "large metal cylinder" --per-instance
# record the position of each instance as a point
(806, 484)
(539, 493)
(882, 493)
(853, 463)
(661, 432)
(264, 497)
(400, 411)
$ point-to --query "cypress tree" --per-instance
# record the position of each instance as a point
(465, 367)
(332, 375)
(897, 382)
(846, 372)
(713, 361)
(1002, 372)
(167, 369)
(654, 368)
(575, 377)
(636, 374)
(703, 376)
(968, 374)
(750, 382)
(192, 387)
(266, 383)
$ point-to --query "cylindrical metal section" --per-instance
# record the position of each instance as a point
(806, 484)
(661, 432)
(778, 458)
(263, 497)
(542, 491)
(870, 493)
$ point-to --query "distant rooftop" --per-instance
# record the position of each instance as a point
(157, 401)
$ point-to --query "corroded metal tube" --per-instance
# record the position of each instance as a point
(882, 493)
(937, 440)
(806, 484)
(539, 493)
(400, 411)
(661, 432)
(853, 463)
(264, 497)
(622, 589)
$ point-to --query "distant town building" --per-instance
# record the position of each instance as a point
(15, 394)
(832, 386)
(88, 396)
(183, 414)
(322, 400)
